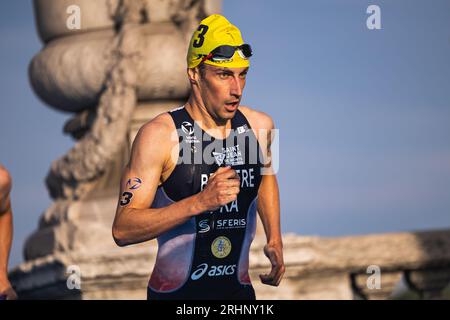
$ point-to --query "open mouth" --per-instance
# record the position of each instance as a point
(232, 106)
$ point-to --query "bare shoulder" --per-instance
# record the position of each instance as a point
(5, 181)
(158, 127)
(156, 133)
(257, 119)
(153, 141)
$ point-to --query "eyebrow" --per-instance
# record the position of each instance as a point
(227, 70)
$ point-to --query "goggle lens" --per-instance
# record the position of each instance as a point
(224, 53)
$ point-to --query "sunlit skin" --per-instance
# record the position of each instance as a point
(212, 89)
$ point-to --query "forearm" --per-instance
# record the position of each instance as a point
(5, 240)
(138, 225)
(269, 209)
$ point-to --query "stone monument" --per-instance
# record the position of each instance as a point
(122, 65)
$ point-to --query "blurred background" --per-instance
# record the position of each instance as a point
(363, 115)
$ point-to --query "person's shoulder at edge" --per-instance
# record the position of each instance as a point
(5, 181)
(257, 119)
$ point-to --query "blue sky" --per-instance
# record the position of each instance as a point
(364, 115)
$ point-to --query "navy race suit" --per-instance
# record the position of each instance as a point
(207, 257)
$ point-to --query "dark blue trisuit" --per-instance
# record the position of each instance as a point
(207, 257)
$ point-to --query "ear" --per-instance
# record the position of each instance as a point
(193, 75)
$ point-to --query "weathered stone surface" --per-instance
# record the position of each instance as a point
(51, 16)
(70, 72)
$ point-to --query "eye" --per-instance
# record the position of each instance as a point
(243, 75)
(223, 75)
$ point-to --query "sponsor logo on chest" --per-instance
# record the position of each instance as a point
(207, 225)
(231, 156)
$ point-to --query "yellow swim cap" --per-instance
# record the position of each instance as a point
(215, 31)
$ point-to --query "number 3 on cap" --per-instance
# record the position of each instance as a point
(201, 36)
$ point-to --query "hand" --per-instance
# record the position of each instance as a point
(6, 290)
(275, 255)
(223, 187)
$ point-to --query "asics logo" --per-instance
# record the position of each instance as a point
(214, 271)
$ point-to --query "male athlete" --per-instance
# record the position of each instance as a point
(197, 175)
(6, 291)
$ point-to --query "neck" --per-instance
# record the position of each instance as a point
(213, 125)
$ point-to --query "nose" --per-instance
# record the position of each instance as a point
(236, 87)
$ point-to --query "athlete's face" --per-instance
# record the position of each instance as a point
(221, 89)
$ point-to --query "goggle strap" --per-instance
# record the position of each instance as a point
(207, 57)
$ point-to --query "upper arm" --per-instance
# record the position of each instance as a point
(149, 154)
